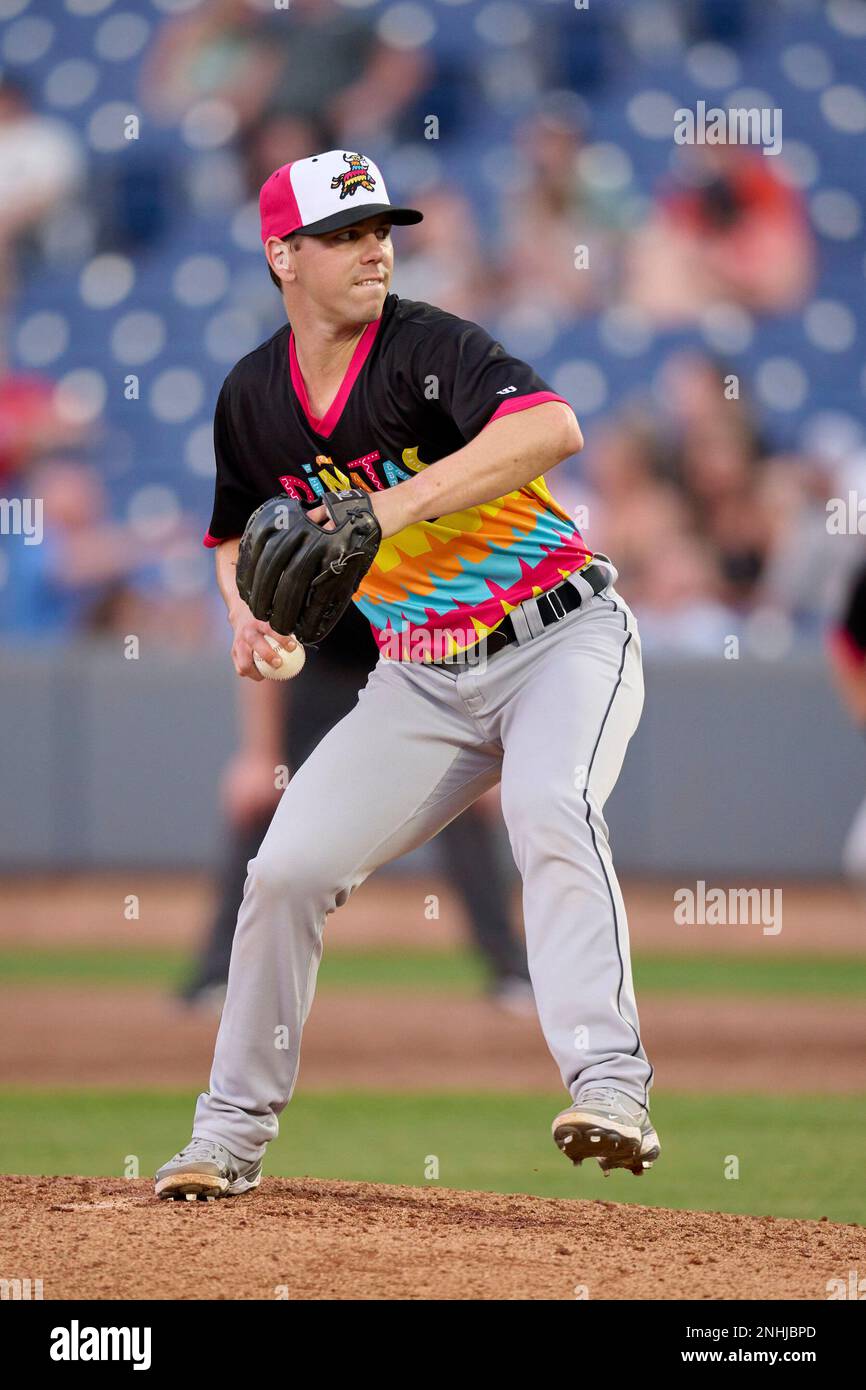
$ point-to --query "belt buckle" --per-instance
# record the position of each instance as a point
(551, 595)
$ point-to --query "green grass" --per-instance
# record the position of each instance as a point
(497, 1143)
(93, 965)
(751, 974)
(458, 971)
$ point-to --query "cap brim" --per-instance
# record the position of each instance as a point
(401, 217)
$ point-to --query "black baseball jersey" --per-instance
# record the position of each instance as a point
(421, 384)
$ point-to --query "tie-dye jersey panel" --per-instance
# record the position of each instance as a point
(458, 577)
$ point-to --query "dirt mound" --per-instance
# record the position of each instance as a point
(301, 1238)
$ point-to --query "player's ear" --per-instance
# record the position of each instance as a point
(280, 259)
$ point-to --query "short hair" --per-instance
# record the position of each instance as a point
(292, 236)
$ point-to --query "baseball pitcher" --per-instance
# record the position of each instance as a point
(382, 451)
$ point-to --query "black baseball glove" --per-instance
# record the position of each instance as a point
(298, 577)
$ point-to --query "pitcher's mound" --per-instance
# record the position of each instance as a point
(99, 1238)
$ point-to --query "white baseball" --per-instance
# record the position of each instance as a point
(290, 665)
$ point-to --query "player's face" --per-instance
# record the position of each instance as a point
(348, 273)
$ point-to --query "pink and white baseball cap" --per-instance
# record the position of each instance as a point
(324, 193)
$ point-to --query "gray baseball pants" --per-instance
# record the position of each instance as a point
(550, 716)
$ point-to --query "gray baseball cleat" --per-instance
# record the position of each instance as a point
(607, 1124)
(205, 1170)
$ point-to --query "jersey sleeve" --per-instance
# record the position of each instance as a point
(234, 499)
(475, 379)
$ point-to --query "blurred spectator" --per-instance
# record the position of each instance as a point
(142, 603)
(679, 598)
(313, 60)
(31, 423)
(693, 391)
(41, 164)
(558, 211)
(713, 453)
(763, 515)
(694, 484)
(427, 265)
(719, 472)
(217, 52)
(807, 568)
(277, 138)
(54, 586)
(368, 83)
(727, 228)
(638, 517)
(631, 512)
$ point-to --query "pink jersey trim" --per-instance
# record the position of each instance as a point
(326, 426)
(515, 403)
(213, 541)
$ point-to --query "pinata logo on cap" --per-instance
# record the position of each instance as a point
(356, 176)
(299, 196)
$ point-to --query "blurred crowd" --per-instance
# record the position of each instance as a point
(707, 523)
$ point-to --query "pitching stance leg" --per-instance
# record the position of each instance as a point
(574, 704)
(393, 772)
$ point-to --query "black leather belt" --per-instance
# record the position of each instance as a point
(552, 607)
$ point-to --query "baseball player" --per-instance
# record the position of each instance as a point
(385, 446)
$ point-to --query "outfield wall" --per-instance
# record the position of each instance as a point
(738, 767)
